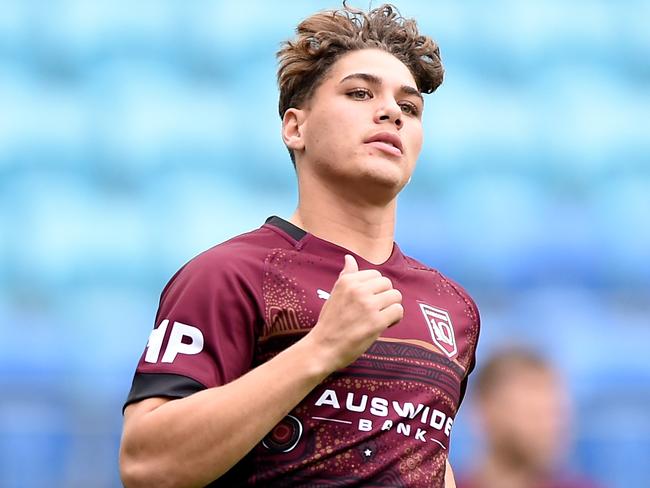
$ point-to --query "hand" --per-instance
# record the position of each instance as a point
(361, 306)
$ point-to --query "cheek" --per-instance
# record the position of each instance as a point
(323, 133)
(417, 142)
(414, 151)
(413, 139)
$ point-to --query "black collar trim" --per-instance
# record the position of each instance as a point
(295, 232)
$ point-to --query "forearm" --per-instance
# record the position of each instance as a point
(194, 440)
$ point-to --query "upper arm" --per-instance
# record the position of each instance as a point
(135, 410)
(204, 332)
(133, 413)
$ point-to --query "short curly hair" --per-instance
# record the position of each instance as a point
(326, 36)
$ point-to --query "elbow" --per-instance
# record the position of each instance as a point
(130, 476)
(133, 473)
(136, 472)
(141, 475)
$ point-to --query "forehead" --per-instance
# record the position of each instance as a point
(532, 380)
(375, 62)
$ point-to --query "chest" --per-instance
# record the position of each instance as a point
(438, 317)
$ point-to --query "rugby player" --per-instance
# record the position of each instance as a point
(312, 351)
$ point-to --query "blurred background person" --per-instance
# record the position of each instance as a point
(521, 405)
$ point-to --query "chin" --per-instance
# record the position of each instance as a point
(382, 168)
(389, 179)
(380, 188)
(378, 177)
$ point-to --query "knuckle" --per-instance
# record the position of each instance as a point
(356, 293)
(343, 280)
(366, 304)
(345, 285)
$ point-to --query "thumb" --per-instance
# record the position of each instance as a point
(350, 266)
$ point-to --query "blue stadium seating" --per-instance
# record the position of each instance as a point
(134, 135)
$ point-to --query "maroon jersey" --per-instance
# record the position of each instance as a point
(385, 420)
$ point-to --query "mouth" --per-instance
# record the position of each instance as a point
(387, 142)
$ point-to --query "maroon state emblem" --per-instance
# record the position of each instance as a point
(442, 332)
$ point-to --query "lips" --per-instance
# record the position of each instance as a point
(388, 142)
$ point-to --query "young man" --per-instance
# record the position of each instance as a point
(312, 352)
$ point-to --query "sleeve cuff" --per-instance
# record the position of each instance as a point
(149, 385)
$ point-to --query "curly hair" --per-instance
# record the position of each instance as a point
(325, 36)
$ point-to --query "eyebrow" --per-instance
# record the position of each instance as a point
(375, 80)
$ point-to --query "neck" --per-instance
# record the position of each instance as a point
(498, 473)
(364, 228)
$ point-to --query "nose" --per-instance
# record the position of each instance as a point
(389, 112)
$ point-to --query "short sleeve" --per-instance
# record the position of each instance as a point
(463, 384)
(204, 333)
(474, 341)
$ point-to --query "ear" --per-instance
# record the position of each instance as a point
(293, 128)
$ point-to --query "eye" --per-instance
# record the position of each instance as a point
(409, 108)
(360, 94)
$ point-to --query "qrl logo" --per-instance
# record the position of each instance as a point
(176, 344)
(441, 329)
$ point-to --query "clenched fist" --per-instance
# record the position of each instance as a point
(361, 306)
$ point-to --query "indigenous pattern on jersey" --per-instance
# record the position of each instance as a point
(385, 420)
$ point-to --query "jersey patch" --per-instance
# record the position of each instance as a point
(441, 329)
(183, 339)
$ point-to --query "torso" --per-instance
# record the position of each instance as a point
(386, 419)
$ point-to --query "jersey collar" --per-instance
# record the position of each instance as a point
(294, 231)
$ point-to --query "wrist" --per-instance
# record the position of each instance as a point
(315, 358)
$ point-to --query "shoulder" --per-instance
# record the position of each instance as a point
(445, 281)
(238, 260)
(251, 246)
